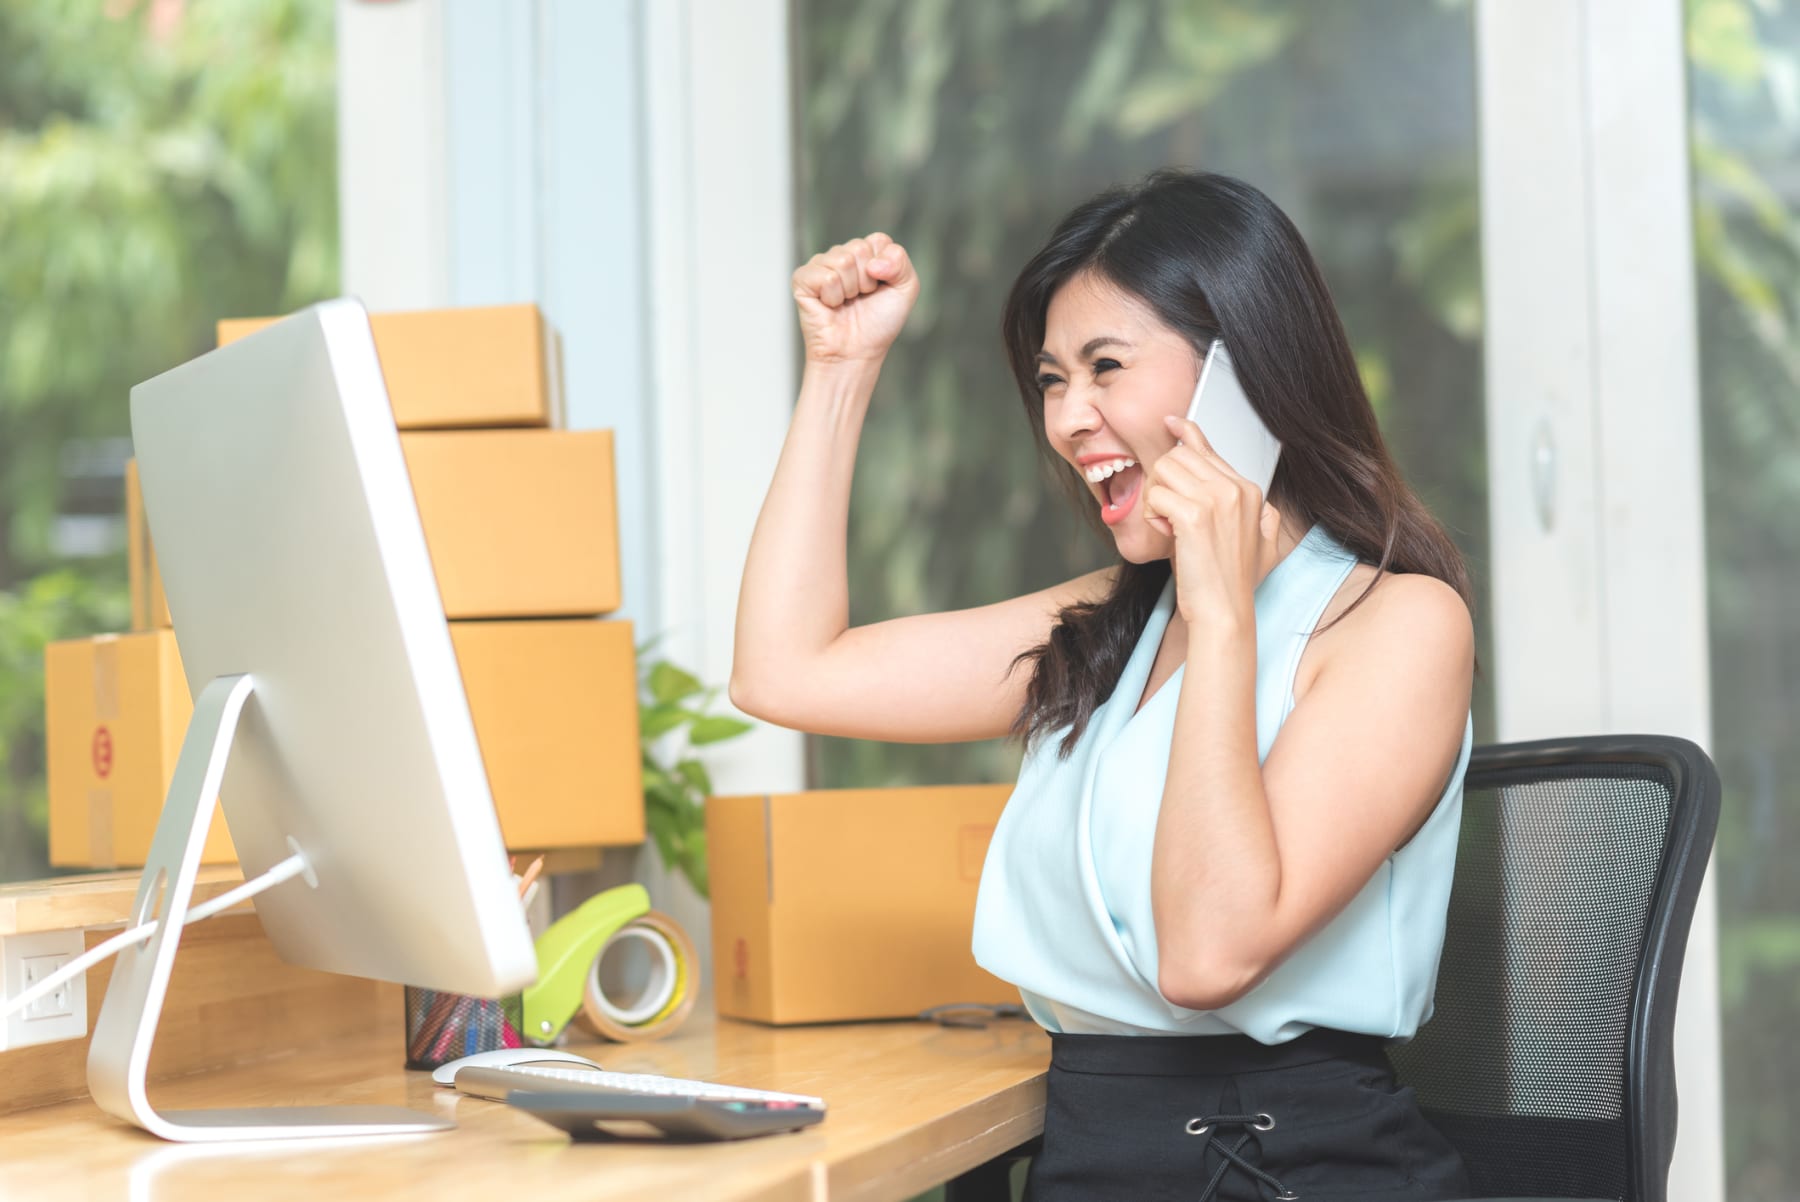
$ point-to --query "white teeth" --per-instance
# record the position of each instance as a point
(1100, 471)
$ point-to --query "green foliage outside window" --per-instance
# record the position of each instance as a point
(1743, 59)
(966, 130)
(161, 166)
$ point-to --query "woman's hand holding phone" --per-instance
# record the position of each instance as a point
(853, 299)
(1225, 533)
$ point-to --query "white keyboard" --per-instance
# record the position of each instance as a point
(494, 1083)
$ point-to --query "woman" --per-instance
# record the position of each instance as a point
(1221, 880)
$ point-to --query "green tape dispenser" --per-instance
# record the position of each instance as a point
(567, 950)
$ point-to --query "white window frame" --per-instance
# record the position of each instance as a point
(1593, 421)
(721, 239)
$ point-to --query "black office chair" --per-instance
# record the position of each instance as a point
(1549, 1058)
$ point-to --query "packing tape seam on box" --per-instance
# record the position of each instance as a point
(107, 705)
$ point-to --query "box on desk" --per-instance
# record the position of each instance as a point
(519, 523)
(117, 707)
(842, 904)
(554, 705)
(453, 368)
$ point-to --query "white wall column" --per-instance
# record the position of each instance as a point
(1593, 420)
(721, 240)
(393, 198)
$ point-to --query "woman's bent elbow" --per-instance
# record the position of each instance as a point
(741, 698)
(1211, 988)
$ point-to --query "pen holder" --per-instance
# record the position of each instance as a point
(441, 1027)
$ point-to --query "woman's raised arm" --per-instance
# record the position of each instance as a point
(796, 662)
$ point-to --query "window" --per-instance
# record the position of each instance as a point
(1743, 59)
(163, 163)
(966, 130)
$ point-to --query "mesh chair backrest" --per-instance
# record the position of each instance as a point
(1523, 1065)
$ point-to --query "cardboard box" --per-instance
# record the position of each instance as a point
(520, 523)
(843, 904)
(554, 704)
(556, 713)
(149, 607)
(456, 368)
(117, 708)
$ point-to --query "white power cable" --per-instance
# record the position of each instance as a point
(289, 868)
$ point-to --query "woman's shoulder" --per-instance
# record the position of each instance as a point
(1406, 618)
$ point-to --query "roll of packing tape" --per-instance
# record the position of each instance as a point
(669, 994)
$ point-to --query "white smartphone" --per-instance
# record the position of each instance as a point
(1225, 416)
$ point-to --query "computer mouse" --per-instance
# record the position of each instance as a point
(445, 1074)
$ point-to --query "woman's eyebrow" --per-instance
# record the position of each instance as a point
(1093, 344)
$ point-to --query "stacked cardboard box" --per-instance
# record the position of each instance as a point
(521, 522)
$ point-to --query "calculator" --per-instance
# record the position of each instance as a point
(589, 1116)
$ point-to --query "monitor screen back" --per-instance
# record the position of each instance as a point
(290, 548)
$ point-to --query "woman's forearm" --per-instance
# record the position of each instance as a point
(795, 595)
(1216, 871)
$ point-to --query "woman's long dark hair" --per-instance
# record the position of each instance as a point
(1215, 258)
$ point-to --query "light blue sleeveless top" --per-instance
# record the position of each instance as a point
(1064, 908)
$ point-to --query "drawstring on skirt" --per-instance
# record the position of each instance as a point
(1233, 1155)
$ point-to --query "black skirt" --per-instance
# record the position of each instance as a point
(1224, 1118)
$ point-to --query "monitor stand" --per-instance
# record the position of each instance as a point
(119, 1054)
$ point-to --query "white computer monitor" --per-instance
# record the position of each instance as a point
(329, 712)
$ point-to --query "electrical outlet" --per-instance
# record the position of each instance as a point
(28, 959)
(56, 1003)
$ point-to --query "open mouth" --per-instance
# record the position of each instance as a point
(1120, 493)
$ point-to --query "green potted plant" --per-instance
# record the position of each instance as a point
(676, 784)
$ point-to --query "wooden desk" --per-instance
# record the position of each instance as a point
(911, 1105)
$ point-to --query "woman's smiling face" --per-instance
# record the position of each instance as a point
(1110, 370)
